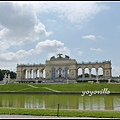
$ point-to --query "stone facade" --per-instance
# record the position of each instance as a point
(61, 68)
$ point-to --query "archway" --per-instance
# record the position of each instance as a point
(86, 72)
(79, 73)
(100, 72)
(44, 73)
(93, 72)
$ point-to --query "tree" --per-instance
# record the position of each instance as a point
(2, 73)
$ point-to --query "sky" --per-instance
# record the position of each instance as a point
(33, 31)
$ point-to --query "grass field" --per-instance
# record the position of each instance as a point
(72, 87)
(65, 113)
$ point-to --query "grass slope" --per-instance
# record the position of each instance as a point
(72, 87)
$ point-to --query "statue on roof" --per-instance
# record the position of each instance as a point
(59, 55)
(67, 57)
(52, 58)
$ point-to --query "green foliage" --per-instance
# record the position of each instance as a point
(87, 75)
(2, 73)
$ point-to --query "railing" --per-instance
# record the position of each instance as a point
(94, 62)
(21, 65)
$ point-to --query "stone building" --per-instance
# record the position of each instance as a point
(62, 68)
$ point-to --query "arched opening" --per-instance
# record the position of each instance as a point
(67, 72)
(34, 73)
(59, 72)
(79, 75)
(86, 72)
(31, 73)
(44, 73)
(40, 74)
(37, 73)
(100, 72)
(93, 72)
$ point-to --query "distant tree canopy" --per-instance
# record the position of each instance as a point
(2, 73)
(87, 75)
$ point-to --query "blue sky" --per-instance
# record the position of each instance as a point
(32, 32)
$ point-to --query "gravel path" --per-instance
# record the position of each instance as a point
(42, 117)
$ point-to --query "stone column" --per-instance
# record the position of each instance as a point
(30, 73)
(34, 73)
(96, 72)
(39, 73)
(89, 72)
(27, 74)
(56, 73)
(63, 73)
(68, 72)
(50, 73)
(83, 73)
(104, 73)
(97, 75)
(24, 74)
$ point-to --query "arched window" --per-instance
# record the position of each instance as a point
(59, 72)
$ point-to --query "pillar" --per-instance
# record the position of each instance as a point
(34, 73)
(96, 72)
(56, 73)
(89, 72)
(83, 73)
(63, 74)
(30, 73)
(27, 74)
(39, 73)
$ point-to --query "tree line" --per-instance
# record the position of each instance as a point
(87, 75)
(12, 74)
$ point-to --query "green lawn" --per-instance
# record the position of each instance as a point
(72, 87)
(67, 113)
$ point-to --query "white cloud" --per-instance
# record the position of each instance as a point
(78, 12)
(40, 30)
(49, 46)
(96, 49)
(73, 11)
(19, 23)
(3, 46)
(89, 37)
(14, 56)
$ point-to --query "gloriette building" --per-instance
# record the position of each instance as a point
(62, 68)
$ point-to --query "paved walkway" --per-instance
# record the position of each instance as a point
(43, 117)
